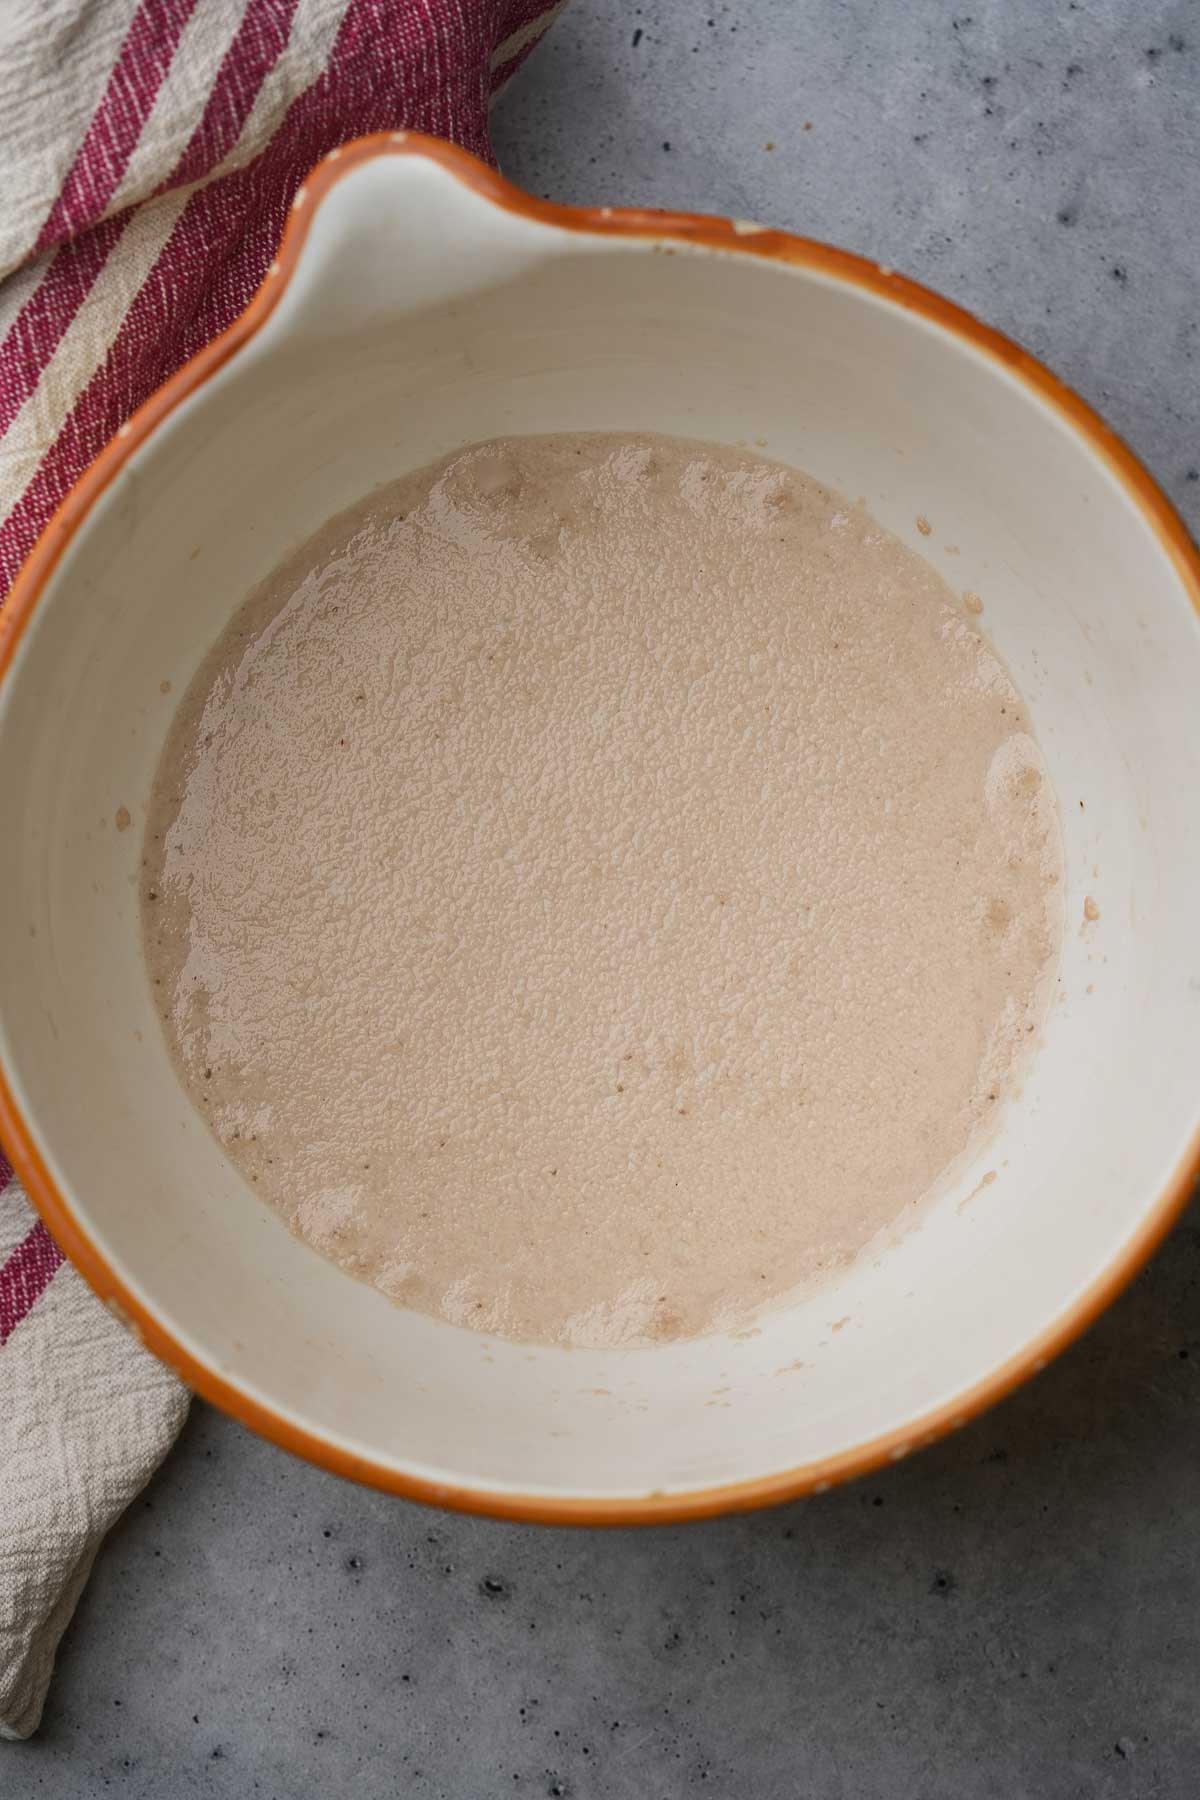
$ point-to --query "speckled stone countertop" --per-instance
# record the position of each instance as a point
(1013, 1613)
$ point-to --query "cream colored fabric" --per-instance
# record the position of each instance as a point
(86, 1416)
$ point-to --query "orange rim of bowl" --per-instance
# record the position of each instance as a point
(710, 233)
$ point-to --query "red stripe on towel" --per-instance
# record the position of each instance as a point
(26, 1276)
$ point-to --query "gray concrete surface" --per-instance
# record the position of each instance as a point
(1014, 1613)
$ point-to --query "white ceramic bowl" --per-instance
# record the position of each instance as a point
(420, 304)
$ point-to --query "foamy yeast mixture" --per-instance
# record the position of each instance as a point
(597, 884)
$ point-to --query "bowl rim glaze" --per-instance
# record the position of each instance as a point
(736, 237)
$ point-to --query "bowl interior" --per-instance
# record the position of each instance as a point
(420, 318)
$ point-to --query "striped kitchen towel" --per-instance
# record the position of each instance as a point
(151, 149)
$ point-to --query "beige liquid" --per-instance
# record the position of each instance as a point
(597, 884)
